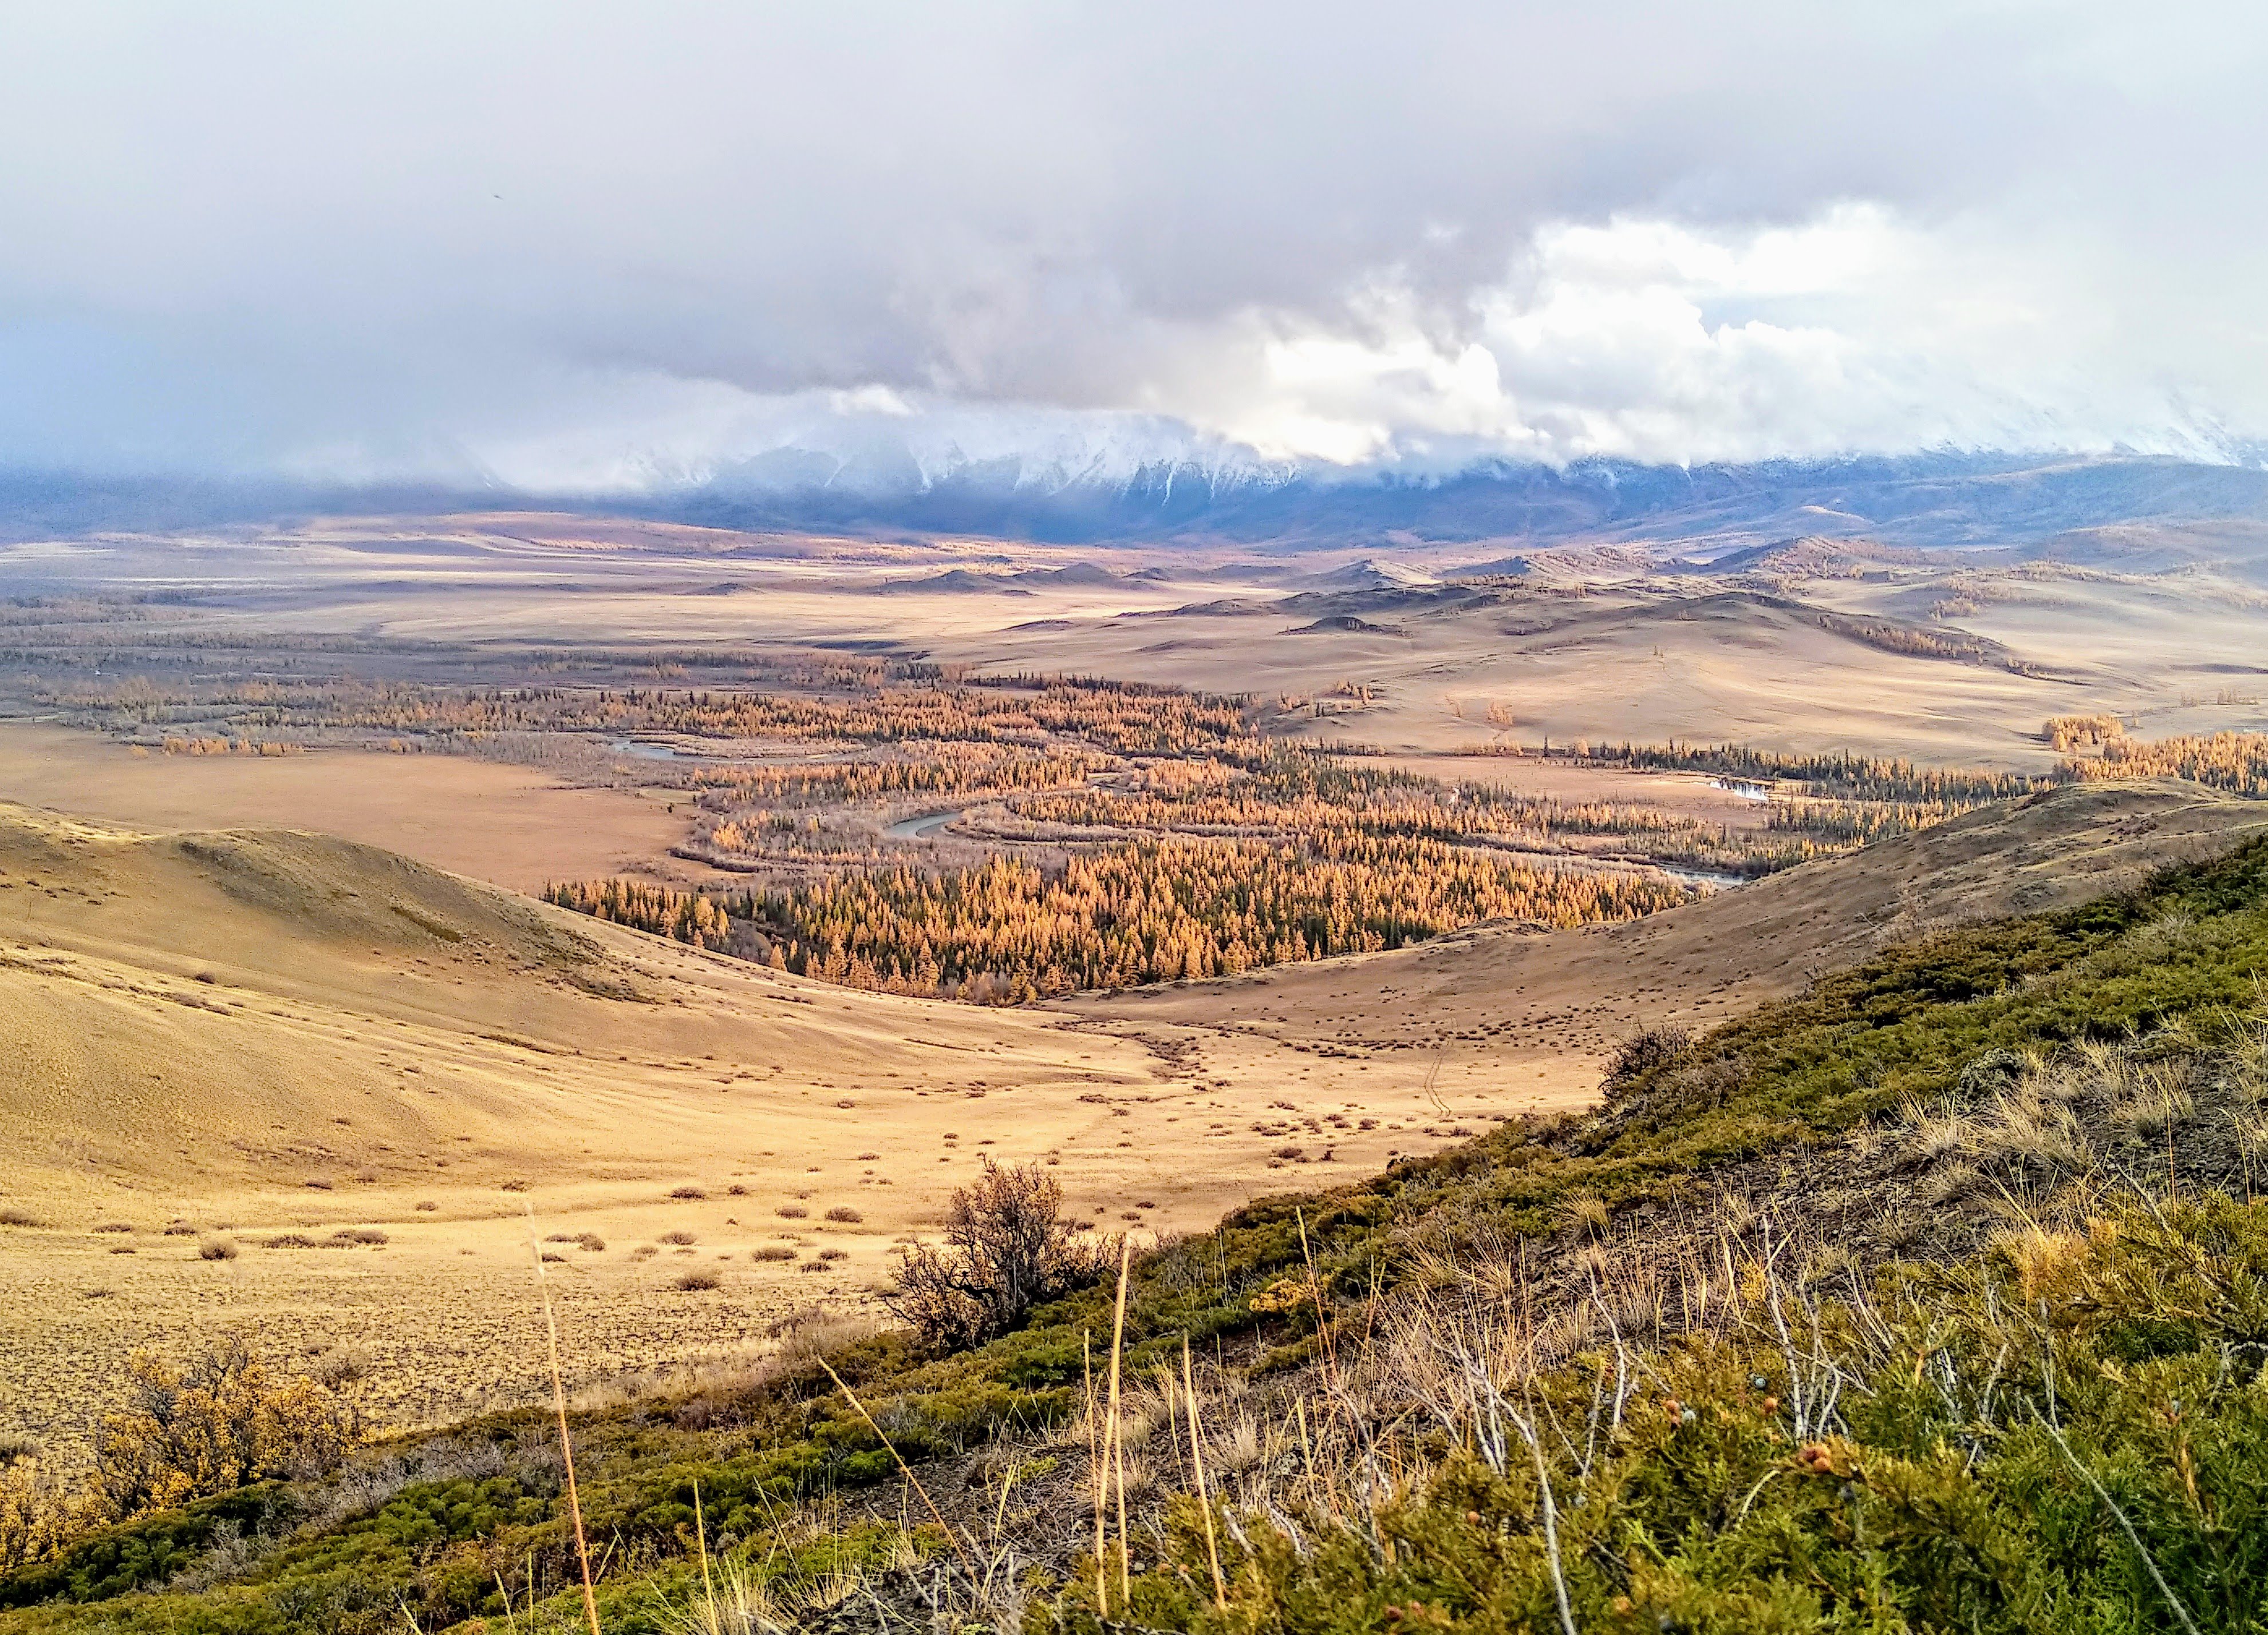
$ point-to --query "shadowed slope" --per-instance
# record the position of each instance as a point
(1516, 1005)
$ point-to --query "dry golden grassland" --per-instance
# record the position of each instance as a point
(270, 1036)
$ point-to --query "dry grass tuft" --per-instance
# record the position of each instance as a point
(1586, 1215)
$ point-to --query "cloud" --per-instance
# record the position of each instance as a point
(585, 244)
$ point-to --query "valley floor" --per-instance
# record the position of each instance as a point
(258, 1038)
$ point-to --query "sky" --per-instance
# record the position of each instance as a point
(575, 246)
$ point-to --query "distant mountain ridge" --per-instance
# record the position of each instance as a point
(1921, 500)
(1939, 500)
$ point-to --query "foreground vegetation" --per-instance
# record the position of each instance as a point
(1928, 1300)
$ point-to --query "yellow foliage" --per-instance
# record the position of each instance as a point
(39, 1515)
(2235, 761)
(216, 1423)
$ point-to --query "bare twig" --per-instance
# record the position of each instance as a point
(1550, 1520)
(2124, 1526)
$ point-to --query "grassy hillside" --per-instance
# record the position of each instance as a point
(1932, 1298)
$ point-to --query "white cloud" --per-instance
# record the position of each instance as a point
(570, 242)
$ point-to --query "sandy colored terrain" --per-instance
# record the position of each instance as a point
(262, 1033)
(1647, 670)
(510, 825)
(1617, 655)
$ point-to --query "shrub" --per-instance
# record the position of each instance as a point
(680, 1237)
(1006, 1248)
(772, 1251)
(17, 1217)
(690, 1194)
(590, 1241)
(217, 1423)
(289, 1240)
(38, 1514)
(791, 1211)
(358, 1235)
(700, 1278)
(1645, 1052)
(845, 1214)
(216, 1248)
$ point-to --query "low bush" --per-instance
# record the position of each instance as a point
(1007, 1248)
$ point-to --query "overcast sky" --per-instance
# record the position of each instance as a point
(585, 245)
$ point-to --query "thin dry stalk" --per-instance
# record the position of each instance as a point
(701, 1534)
(1095, 1469)
(1197, 1463)
(1322, 1317)
(936, 1515)
(566, 1445)
(1117, 1440)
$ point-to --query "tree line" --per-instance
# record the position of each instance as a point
(1006, 931)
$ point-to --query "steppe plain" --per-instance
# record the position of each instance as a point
(258, 997)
